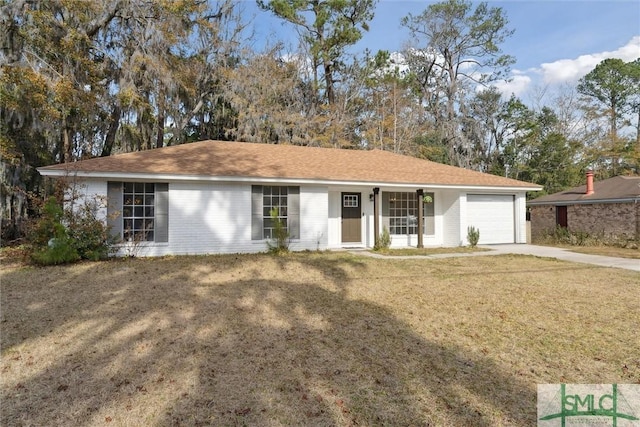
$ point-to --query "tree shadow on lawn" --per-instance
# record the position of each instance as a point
(161, 344)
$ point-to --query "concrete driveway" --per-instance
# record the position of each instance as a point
(541, 251)
(565, 255)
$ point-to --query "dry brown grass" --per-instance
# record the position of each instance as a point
(308, 339)
(429, 251)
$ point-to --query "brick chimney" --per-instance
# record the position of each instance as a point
(589, 183)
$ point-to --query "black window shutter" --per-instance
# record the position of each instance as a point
(256, 212)
(385, 203)
(161, 226)
(385, 211)
(293, 214)
(114, 208)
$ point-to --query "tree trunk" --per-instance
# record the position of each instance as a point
(615, 152)
(187, 118)
(110, 138)
(395, 120)
(328, 80)
(160, 129)
(451, 125)
(638, 131)
(66, 142)
(161, 117)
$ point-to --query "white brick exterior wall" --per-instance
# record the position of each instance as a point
(209, 218)
(451, 214)
(333, 231)
(314, 217)
(89, 191)
(213, 217)
(521, 217)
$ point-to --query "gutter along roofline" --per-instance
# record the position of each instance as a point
(634, 199)
(127, 176)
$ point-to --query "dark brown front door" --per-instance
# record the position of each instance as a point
(351, 217)
(561, 216)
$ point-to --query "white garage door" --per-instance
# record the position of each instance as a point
(493, 215)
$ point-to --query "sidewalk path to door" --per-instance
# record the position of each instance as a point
(534, 250)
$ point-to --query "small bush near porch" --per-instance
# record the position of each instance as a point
(308, 339)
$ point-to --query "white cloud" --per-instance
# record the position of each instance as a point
(554, 74)
(550, 74)
(303, 63)
(397, 64)
(518, 84)
(570, 70)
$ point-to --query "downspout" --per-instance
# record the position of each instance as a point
(420, 195)
(376, 217)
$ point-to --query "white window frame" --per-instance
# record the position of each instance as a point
(350, 200)
(405, 203)
(138, 211)
(274, 199)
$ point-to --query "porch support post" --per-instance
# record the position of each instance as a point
(376, 216)
(420, 195)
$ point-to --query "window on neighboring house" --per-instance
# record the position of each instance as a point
(138, 211)
(285, 199)
(401, 211)
(561, 216)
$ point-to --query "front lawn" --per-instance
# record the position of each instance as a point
(308, 339)
(428, 251)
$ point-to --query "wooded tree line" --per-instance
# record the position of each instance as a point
(83, 79)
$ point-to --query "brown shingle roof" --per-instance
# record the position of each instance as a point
(616, 188)
(264, 161)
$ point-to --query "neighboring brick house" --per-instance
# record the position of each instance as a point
(609, 208)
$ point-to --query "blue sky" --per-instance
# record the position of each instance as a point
(555, 41)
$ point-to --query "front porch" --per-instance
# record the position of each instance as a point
(358, 215)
